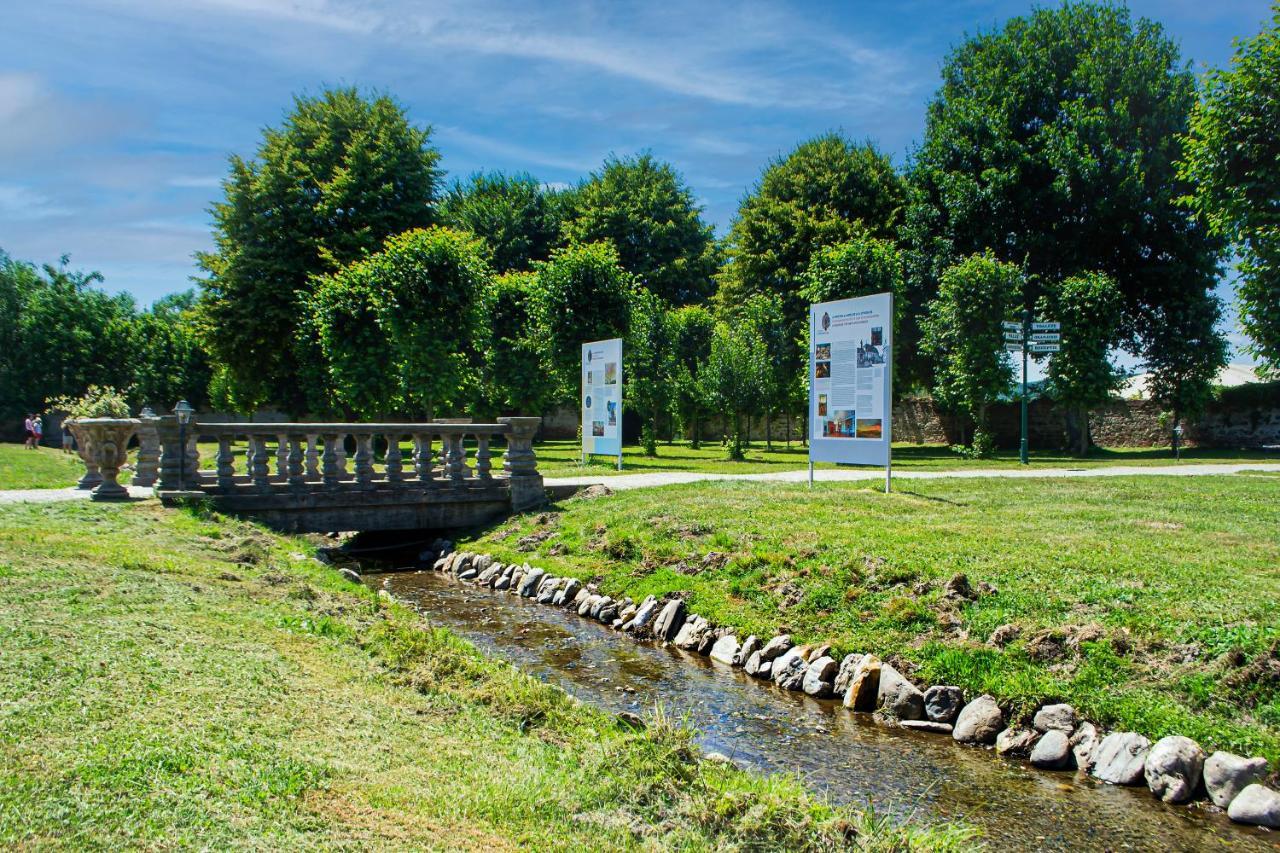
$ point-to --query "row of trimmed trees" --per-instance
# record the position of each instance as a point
(1071, 166)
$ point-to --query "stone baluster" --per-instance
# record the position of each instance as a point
(455, 460)
(331, 472)
(364, 461)
(313, 457)
(296, 472)
(423, 460)
(260, 468)
(521, 464)
(394, 465)
(483, 463)
(226, 461)
(282, 456)
(340, 447)
(148, 461)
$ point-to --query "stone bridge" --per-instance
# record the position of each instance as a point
(298, 477)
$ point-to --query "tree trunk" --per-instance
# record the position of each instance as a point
(768, 428)
(695, 441)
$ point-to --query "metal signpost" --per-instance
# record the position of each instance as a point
(1024, 337)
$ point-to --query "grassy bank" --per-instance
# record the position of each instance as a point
(171, 680)
(1149, 603)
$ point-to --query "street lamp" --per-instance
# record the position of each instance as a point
(1177, 441)
(183, 412)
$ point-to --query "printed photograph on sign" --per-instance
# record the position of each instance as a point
(610, 373)
(877, 336)
(822, 405)
(822, 352)
(869, 355)
(597, 428)
(822, 369)
(612, 408)
(841, 424)
(869, 428)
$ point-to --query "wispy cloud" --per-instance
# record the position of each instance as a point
(456, 137)
(202, 182)
(22, 203)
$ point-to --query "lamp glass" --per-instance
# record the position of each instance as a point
(183, 410)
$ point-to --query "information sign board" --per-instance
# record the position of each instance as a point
(602, 398)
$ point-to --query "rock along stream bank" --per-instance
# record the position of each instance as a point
(755, 723)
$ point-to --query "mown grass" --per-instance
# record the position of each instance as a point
(1149, 603)
(42, 468)
(174, 679)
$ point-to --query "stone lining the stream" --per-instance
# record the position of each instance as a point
(1175, 768)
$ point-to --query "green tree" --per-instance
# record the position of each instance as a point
(342, 174)
(963, 333)
(511, 213)
(731, 381)
(691, 329)
(649, 358)
(171, 364)
(645, 209)
(1081, 375)
(1185, 366)
(583, 294)
(1052, 142)
(61, 334)
(860, 266)
(517, 381)
(1232, 164)
(772, 346)
(398, 329)
(827, 191)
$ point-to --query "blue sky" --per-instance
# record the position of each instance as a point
(116, 118)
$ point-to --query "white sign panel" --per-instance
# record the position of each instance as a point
(602, 397)
(850, 380)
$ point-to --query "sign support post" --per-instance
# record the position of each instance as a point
(1023, 452)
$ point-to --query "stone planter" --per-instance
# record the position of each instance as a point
(92, 476)
(104, 444)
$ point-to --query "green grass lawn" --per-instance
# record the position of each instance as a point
(1149, 603)
(42, 468)
(172, 680)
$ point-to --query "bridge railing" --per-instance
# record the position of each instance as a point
(302, 458)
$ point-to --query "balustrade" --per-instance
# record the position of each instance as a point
(294, 458)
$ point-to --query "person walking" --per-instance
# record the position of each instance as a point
(37, 431)
(30, 430)
(68, 441)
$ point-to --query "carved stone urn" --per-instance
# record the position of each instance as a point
(92, 476)
(106, 442)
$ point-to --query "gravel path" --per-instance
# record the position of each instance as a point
(838, 475)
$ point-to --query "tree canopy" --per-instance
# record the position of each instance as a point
(1232, 169)
(511, 213)
(827, 191)
(1053, 143)
(645, 209)
(339, 176)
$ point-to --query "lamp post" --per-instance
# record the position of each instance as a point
(1177, 441)
(183, 412)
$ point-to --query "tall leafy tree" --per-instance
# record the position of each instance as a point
(511, 213)
(61, 334)
(1232, 165)
(583, 294)
(731, 381)
(1053, 143)
(517, 381)
(860, 266)
(171, 363)
(1184, 366)
(1081, 374)
(963, 333)
(649, 214)
(827, 191)
(327, 187)
(763, 321)
(398, 329)
(691, 329)
(649, 358)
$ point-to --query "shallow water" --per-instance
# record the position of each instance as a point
(845, 756)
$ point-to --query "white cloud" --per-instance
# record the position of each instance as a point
(20, 203)
(448, 135)
(203, 182)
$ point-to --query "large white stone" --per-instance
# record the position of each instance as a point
(979, 721)
(819, 676)
(898, 696)
(1060, 717)
(1258, 805)
(1052, 751)
(724, 650)
(1226, 775)
(1121, 758)
(669, 620)
(1173, 768)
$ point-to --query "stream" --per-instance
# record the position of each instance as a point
(842, 755)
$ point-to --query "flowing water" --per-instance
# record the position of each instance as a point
(845, 756)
